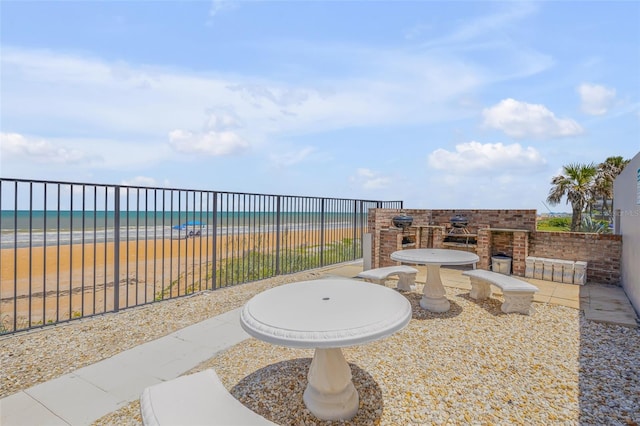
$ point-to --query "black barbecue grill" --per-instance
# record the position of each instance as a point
(459, 233)
(403, 222)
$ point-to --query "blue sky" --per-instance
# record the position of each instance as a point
(440, 104)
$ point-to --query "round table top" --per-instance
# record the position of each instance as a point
(435, 256)
(325, 313)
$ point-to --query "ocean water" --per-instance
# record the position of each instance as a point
(25, 228)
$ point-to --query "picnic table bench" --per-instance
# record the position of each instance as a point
(406, 276)
(518, 294)
(196, 399)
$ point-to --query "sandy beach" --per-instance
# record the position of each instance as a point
(56, 283)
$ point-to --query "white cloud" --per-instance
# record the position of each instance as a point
(520, 119)
(478, 28)
(150, 100)
(596, 99)
(217, 139)
(282, 97)
(472, 157)
(211, 143)
(368, 179)
(222, 120)
(67, 158)
(144, 101)
(291, 158)
(218, 6)
(39, 150)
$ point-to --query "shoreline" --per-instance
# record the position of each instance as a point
(61, 282)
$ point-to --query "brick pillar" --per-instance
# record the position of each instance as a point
(483, 249)
(390, 239)
(438, 236)
(425, 237)
(520, 252)
(375, 249)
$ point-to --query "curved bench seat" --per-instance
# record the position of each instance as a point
(196, 399)
(406, 276)
(518, 294)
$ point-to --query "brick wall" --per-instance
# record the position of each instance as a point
(510, 219)
(512, 232)
(379, 223)
(602, 252)
(502, 243)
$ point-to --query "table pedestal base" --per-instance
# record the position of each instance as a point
(433, 294)
(330, 393)
(435, 305)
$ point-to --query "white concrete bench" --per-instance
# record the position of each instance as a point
(196, 399)
(518, 294)
(406, 276)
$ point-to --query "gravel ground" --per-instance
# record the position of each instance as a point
(471, 365)
(30, 358)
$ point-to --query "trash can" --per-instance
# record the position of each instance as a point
(580, 273)
(529, 266)
(501, 263)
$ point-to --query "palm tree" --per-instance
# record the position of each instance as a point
(603, 183)
(576, 184)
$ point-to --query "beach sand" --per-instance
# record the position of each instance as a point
(58, 283)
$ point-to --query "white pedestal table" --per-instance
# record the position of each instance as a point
(326, 315)
(433, 295)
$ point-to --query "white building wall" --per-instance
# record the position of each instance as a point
(626, 207)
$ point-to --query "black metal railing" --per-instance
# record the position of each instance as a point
(73, 250)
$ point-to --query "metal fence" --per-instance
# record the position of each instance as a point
(73, 250)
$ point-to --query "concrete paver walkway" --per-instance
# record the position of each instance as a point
(81, 397)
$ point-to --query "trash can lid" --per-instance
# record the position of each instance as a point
(501, 256)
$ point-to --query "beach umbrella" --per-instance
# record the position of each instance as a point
(183, 226)
(194, 223)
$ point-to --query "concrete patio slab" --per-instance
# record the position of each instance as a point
(123, 385)
(75, 400)
(569, 303)
(608, 304)
(20, 409)
(566, 291)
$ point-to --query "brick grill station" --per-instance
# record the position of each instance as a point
(509, 232)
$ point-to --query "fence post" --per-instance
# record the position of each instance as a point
(322, 218)
(278, 198)
(214, 267)
(355, 228)
(116, 251)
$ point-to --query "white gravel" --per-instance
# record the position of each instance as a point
(471, 365)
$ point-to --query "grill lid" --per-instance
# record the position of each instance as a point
(402, 221)
(459, 221)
